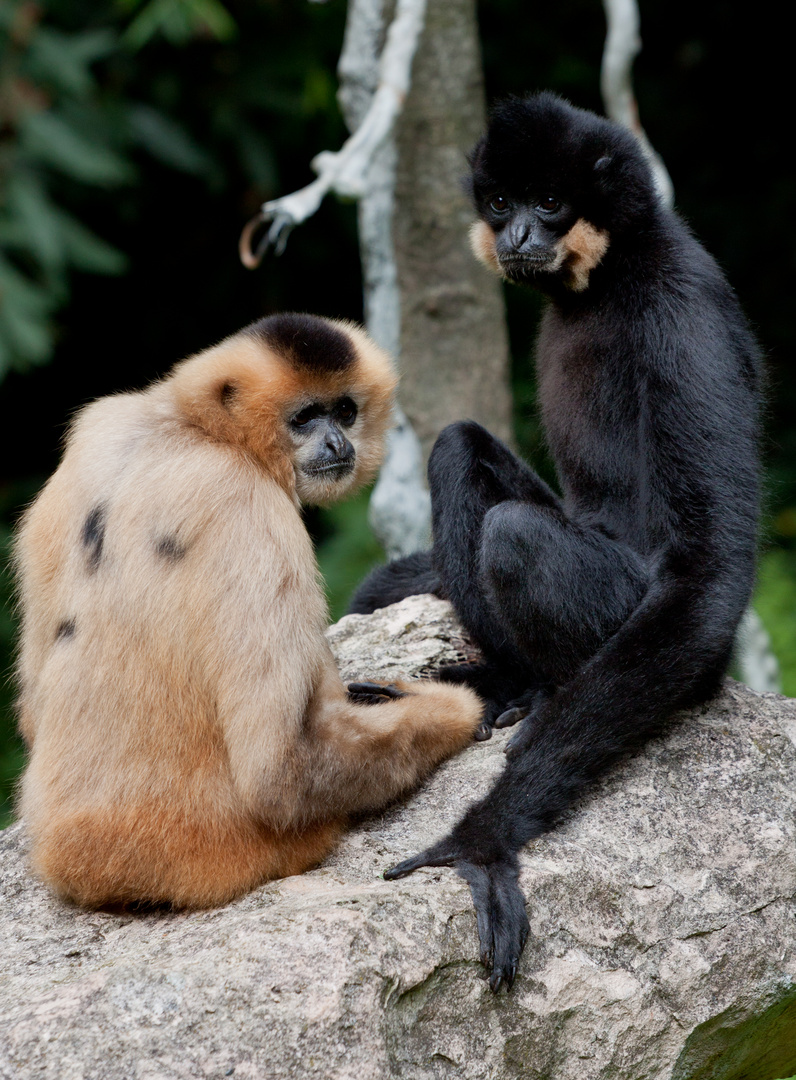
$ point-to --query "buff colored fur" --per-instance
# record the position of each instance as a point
(189, 734)
(579, 251)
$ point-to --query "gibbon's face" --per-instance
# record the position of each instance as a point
(538, 185)
(323, 434)
(535, 236)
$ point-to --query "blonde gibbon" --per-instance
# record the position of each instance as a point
(189, 734)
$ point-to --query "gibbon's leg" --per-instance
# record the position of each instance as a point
(361, 755)
(470, 472)
(561, 589)
(410, 576)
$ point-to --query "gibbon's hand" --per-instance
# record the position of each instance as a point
(499, 905)
(371, 693)
(524, 711)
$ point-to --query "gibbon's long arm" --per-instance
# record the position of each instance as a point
(300, 748)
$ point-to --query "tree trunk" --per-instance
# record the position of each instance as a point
(454, 354)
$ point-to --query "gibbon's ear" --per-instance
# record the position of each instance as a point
(231, 393)
(601, 167)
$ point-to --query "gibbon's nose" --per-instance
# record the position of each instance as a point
(340, 449)
(519, 233)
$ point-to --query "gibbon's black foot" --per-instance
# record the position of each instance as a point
(441, 854)
(499, 905)
(500, 913)
(526, 732)
(470, 673)
(371, 693)
(510, 717)
(524, 707)
(498, 690)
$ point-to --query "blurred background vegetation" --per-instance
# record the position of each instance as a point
(138, 136)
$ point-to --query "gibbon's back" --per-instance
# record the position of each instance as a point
(190, 736)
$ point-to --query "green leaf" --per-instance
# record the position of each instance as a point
(29, 339)
(19, 292)
(29, 204)
(47, 138)
(168, 141)
(179, 21)
(64, 60)
(86, 250)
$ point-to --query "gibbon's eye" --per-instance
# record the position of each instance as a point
(499, 203)
(307, 414)
(549, 203)
(346, 411)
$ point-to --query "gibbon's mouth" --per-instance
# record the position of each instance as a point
(524, 264)
(339, 468)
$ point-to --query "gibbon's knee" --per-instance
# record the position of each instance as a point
(409, 576)
(190, 736)
(542, 569)
(455, 446)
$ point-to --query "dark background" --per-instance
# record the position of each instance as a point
(205, 129)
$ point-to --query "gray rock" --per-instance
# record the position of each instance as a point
(663, 930)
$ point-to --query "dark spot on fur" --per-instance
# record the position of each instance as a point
(306, 342)
(94, 536)
(66, 629)
(226, 393)
(168, 547)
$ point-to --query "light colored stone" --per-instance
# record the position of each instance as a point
(663, 931)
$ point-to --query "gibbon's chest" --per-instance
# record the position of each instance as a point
(591, 401)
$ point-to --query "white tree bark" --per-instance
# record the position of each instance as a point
(400, 507)
(622, 46)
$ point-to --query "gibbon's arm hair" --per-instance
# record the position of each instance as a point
(602, 611)
(189, 733)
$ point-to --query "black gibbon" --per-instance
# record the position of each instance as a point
(189, 733)
(602, 610)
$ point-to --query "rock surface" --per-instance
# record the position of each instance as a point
(663, 931)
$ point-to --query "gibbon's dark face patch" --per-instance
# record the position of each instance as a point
(306, 342)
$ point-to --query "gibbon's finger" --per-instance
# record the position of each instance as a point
(520, 740)
(501, 917)
(458, 673)
(483, 731)
(441, 854)
(370, 693)
(509, 717)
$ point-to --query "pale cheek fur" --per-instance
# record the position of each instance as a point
(579, 251)
(482, 243)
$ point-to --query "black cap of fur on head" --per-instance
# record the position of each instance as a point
(541, 144)
(307, 342)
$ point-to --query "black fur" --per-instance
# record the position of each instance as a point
(170, 549)
(388, 584)
(94, 536)
(65, 629)
(307, 342)
(615, 604)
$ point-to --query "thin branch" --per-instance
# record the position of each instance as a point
(622, 46)
(346, 170)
